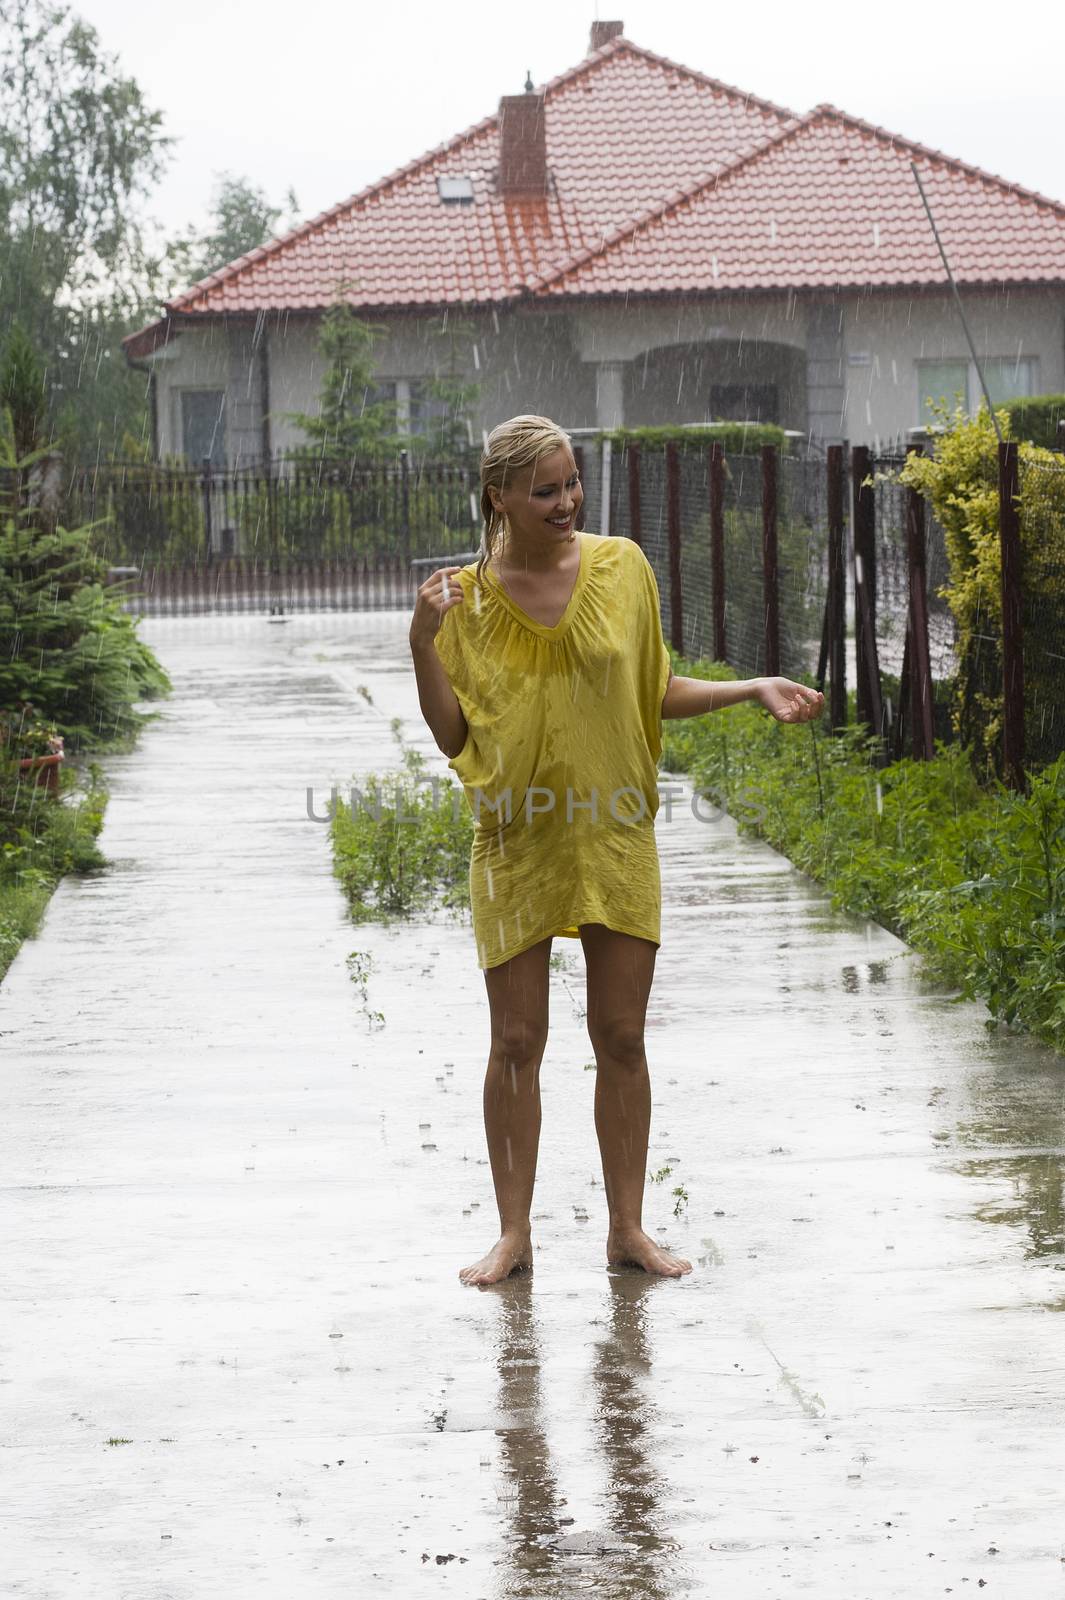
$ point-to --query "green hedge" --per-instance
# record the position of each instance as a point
(738, 438)
(1036, 418)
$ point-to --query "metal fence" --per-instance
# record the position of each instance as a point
(283, 509)
(751, 555)
(1041, 605)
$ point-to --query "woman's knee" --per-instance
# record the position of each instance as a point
(520, 1041)
(620, 1042)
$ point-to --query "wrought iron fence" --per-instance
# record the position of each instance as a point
(281, 510)
(743, 547)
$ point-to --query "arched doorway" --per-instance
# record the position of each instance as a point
(717, 380)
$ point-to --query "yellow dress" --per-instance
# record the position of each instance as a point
(560, 762)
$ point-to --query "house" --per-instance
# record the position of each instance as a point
(637, 243)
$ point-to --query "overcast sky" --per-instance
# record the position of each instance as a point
(326, 97)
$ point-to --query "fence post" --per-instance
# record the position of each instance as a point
(834, 603)
(869, 705)
(635, 521)
(273, 490)
(404, 491)
(605, 474)
(923, 735)
(207, 504)
(578, 462)
(1009, 530)
(717, 547)
(676, 607)
(770, 572)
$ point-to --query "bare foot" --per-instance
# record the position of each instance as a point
(513, 1253)
(632, 1247)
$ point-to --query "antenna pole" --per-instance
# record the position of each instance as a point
(957, 300)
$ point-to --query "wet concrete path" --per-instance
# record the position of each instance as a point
(236, 1358)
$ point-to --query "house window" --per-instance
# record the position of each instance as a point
(1008, 378)
(203, 425)
(378, 394)
(941, 382)
(455, 190)
(425, 408)
(416, 407)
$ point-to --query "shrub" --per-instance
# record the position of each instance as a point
(738, 438)
(396, 858)
(68, 648)
(961, 482)
(973, 877)
(1036, 418)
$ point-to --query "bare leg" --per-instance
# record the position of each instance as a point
(518, 999)
(620, 969)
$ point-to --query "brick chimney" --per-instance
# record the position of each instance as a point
(522, 146)
(603, 32)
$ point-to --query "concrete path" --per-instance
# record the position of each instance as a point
(236, 1359)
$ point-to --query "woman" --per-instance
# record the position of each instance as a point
(543, 675)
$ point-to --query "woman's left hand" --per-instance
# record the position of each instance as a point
(788, 701)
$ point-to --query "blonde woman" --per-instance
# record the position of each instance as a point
(544, 677)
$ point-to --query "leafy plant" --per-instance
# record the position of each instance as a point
(961, 482)
(68, 648)
(394, 857)
(969, 875)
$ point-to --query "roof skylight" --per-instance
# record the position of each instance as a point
(455, 189)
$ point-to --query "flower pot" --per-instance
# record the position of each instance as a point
(45, 770)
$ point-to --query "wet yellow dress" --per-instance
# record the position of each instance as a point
(560, 761)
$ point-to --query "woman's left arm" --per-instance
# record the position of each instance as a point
(783, 699)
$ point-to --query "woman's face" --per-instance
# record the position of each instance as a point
(541, 501)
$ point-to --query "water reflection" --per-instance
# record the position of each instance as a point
(626, 1555)
(1017, 1104)
(530, 1499)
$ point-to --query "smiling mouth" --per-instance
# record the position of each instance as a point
(560, 522)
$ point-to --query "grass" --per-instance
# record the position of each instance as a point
(43, 839)
(971, 876)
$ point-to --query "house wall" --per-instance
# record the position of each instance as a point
(845, 366)
(212, 358)
(890, 333)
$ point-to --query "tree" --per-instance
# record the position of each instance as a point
(242, 218)
(351, 424)
(78, 149)
(449, 430)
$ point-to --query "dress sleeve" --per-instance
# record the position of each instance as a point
(660, 664)
(451, 650)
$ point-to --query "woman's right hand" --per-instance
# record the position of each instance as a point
(432, 604)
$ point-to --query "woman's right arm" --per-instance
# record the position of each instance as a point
(438, 701)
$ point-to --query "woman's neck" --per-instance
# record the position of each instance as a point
(534, 555)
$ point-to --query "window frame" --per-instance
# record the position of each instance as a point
(925, 418)
(180, 392)
(974, 389)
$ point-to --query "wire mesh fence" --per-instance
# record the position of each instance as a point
(892, 575)
(283, 509)
(740, 546)
(640, 495)
(1042, 530)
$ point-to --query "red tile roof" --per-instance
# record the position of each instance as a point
(662, 181)
(829, 202)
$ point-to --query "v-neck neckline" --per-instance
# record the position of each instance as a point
(571, 604)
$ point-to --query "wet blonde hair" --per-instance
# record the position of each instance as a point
(514, 444)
